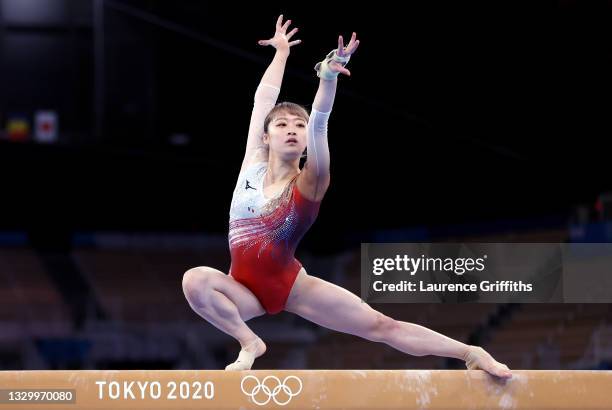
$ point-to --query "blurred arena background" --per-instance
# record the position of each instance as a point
(123, 126)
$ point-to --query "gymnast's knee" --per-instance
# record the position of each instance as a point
(197, 282)
(382, 329)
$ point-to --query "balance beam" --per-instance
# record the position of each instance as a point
(305, 389)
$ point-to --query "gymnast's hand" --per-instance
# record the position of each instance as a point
(280, 41)
(478, 358)
(344, 52)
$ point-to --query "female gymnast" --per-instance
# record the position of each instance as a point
(273, 205)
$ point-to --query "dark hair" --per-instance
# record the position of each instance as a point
(287, 107)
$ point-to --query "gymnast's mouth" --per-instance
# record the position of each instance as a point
(294, 140)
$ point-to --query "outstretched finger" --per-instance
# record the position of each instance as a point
(291, 33)
(352, 40)
(350, 50)
(294, 43)
(285, 26)
(279, 22)
(263, 42)
(340, 46)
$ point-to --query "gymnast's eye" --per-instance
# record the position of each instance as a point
(301, 125)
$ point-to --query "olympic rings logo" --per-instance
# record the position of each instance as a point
(271, 393)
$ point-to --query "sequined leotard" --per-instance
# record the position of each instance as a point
(264, 233)
(263, 236)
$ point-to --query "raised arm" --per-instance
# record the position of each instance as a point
(314, 180)
(267, 91)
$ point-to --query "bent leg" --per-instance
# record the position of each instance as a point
(225, 303)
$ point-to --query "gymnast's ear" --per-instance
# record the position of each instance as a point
(266, 138)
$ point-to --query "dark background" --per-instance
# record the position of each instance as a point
(456, 113)
(479, 121)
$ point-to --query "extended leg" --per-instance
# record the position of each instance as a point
(336, 308)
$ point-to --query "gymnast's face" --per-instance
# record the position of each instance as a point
(287, 135)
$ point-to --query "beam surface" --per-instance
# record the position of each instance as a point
(305, 389)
